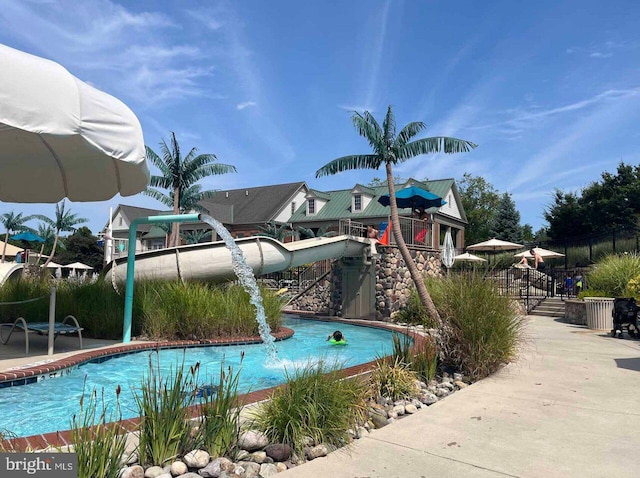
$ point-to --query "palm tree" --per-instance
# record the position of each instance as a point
(389, 150)
(45, 231)
(12, 223)
(278, 233)
(195, 236)
(64, 221)
(306, 233)
(179, 177)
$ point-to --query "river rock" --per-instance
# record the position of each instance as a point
(252, 440)
(250, 468)
(178, 468)
(379, 420)
(399, 409)
(428, 398)
(212, 470)
(460, 384)
(135, 471)
(316, 452)
(267, 470)
(197, 459)
(280, 467)
(411, 409)
(242, 455)
(442, 392)
(153, 472)
(257, 457)
(278, 451)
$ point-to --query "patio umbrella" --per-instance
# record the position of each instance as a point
(60, 137)
(414, 197)
(52, 265)
(544, 253)
(27, 236)
(494, 245)
(448, 250)
(469, 258)
(78, 265)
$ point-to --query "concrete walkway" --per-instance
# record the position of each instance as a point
(569, 407)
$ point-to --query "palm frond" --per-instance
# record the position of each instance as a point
(156, 161)
(158, 196)
(408, 132)
(368, 127)
(438, 144)
(347, 163)
(389, 127)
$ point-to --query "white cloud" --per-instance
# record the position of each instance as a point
(246, 104)
(598, 54)
(358, 108)
(208, 18)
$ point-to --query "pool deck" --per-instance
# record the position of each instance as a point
(569, 407)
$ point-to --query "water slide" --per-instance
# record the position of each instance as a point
(212, 260)
(10, 270)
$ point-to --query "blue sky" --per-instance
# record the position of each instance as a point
(549, 90)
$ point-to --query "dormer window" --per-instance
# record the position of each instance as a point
(357, 202)
(311, 206)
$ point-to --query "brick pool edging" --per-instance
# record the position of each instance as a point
(63, 438)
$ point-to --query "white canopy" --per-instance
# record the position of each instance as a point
(544, 253)
(60, 137)
(494, 245)
(469, 257)
(78, 265)
(52, 265)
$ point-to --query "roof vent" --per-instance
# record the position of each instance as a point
(246, 193)
(226, 194)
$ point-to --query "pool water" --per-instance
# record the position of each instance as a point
(48, 406)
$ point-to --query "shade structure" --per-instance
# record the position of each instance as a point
(52, 265)
(27, 236)
(11, 249)
(469, 258)
(60, 137)
(544, 253)
(414, 197)
(78, 265)
(494, 245)
(448, 250)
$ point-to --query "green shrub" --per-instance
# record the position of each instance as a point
(612, 274)
(165, 427)
(99, 443)
(392, 379)
(486, 331)
(421, 358)
(414, 313)
(220, 412)
(313, 403)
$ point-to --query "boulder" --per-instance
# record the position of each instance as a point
(197, 459)
(316, 452)
(278, 451)
(252, 440)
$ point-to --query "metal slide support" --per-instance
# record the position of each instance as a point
(131, 259)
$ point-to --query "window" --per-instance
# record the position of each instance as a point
(311, 206)
(357, 202)
(293, 207)
(120, 221)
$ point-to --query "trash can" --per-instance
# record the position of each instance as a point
(599, 312)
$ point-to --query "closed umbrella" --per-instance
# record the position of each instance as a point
(60, 137)
(448, 250)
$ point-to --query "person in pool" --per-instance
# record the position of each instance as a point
(337, 336)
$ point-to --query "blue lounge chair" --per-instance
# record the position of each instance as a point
(42, 328)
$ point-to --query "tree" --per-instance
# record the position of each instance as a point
(277, 232)
(12, 223)
(65, 221)
(179, 177)
(82, 246)
(46, 232)
(506, 222)
(390, 149)
(480, 201)
(196, 236)
(306, 233)
(527, 233)
(566, 216)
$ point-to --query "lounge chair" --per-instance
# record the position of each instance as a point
(42, 328)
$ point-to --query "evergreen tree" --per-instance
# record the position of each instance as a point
(506, 222)
(480, 201)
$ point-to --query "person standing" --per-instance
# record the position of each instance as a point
(372, 232)
(538, 261)
(578, 281)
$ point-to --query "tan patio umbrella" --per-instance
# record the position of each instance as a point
(544, 253)
(60, 137)
(494, 245)
(466, 257)
(52, 265)
(78, 265)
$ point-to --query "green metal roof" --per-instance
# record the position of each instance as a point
(339, 202)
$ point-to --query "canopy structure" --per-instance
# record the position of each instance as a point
(27, 236)
(52, 265)
(494, 245)
(78, 265)
(466, 257)
(11, 249)
(544, 253)
(60, 137)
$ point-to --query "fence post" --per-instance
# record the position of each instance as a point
(613, 238)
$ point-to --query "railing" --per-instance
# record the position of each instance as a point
(417, 233)
(352, 228)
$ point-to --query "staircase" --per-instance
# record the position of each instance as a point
(550, 307)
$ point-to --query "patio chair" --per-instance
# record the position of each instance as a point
(69, 325)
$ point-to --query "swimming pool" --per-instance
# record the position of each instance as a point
(48, 406)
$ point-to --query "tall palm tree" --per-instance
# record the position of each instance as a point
(179, 177)
(12, 223)
(196, 236)
(277, 232)
(45, 231)
(64, 221)
(390, 150)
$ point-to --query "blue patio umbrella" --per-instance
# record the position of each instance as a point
(415, 198)
(27, 236)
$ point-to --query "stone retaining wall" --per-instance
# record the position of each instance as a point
(575, 312)
(393, 284)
